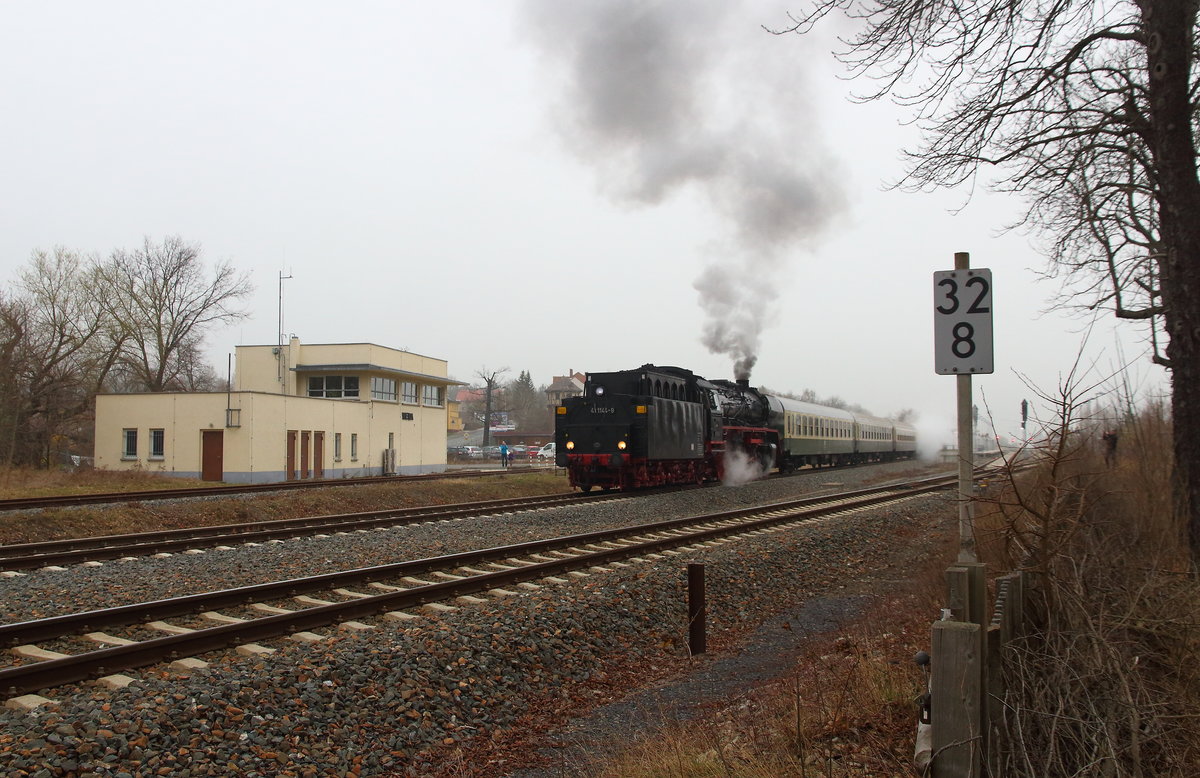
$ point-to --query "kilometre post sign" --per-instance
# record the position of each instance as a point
(962, 321)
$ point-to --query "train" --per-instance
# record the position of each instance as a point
(661, 425)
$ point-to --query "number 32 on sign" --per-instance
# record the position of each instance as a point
(962, 321)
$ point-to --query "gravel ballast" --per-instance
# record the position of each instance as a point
(404, 699)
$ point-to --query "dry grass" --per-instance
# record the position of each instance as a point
(1106, 681)
(51, 524)
(16, 482)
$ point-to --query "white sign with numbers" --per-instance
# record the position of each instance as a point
(962, 321)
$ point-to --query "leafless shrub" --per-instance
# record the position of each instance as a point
(1104, 682)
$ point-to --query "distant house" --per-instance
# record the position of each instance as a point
(454, 419)
(297, 411)
(564, 386)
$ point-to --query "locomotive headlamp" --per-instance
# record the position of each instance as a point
(599, 391)
(570, 445)
(639, 409)
(561, 410)
(621, 444)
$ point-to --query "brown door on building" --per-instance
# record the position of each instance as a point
(212, 455)
(318, 454)
(291, 455)
(304, 444)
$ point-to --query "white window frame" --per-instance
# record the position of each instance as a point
(409, 393)
(383, 388)
(429, 390)
(129, 443)
(161, 435)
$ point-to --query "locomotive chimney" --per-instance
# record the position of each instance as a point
(743, 383)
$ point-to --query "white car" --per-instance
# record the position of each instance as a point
(546, 451)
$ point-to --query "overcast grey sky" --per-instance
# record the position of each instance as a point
(529, 184)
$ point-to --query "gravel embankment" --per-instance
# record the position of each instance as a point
(400, 700)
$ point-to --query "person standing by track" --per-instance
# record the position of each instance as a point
(504, 455)
(1110, 447)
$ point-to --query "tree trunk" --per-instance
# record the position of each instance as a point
(487, 416)
(1168, 26)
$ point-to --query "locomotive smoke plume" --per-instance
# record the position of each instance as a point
(660, 95)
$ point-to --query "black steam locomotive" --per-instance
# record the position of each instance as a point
(666, 425)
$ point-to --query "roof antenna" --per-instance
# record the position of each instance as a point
(279, 329)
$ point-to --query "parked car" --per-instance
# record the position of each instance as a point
(491, 452)
(471, 452)
(546, 452)
(518, 453)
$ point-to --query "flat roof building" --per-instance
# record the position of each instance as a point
(296, 411)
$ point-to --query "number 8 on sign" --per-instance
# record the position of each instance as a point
(962, 321)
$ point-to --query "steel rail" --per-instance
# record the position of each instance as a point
(25, 556)
(662, 536)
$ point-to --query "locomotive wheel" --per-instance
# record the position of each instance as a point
(585, 487)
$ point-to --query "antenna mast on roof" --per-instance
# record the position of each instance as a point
(279, 333)
(282, 278)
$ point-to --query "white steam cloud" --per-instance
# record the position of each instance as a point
(660, 95)
(740, 468)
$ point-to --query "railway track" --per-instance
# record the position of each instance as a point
(27, 556)
(393, 588)
(73, 500)
(41, 554)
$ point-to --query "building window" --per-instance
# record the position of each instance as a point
(337, 447)
(408, 392)
(158, 440)
(431, 395)
(333, 386)
(353, 446)
(383, 388)
(129, 445)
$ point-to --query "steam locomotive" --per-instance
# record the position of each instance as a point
(666, 425)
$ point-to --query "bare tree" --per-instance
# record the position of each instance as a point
(165, 304)
(14, 323)
(1087, 108)
(491, 379)
(54, 354)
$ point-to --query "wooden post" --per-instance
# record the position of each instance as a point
(697, 610)
(993, 696)
(957, 715)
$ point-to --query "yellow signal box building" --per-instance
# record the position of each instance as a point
(296, 411)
